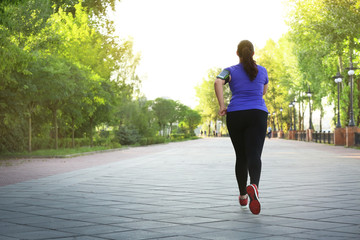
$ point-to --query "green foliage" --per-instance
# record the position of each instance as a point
(137, 114)
(127, 135)
(192, 119)
(168, 112)
(206, 96)
(62, 152)
(285, 81)
(11, 128)
(325, 34)
(96, 7)
(47, 143)
(208, 106)
(57, 73)
(165, 112)
(153, 140)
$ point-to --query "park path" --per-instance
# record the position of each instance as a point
(185, 191)
(20, 170)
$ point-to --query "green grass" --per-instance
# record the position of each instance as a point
(68, 151)
(53, 152)
(65, 152)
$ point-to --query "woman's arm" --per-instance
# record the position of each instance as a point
(265, 89)
(218, 85)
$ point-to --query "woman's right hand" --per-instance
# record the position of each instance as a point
(222, 111)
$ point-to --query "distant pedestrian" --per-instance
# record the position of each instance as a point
(246, 119)
(269, 132)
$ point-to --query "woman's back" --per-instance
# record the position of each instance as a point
(247, 94)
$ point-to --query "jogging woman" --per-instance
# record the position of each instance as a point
(246, 119)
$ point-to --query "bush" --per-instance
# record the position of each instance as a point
(104, 134)
(49, 143)
(156, 140)
(12, 139)
(42, 143)
(67, 142)
(114, 145)
(143, 141)
(177, 136)
(127, 135)
(99, 141)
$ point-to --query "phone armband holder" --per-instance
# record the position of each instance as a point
(224, 75)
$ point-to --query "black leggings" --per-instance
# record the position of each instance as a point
(247, 129)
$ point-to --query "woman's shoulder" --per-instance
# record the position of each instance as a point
(261, 68)
(234, 68)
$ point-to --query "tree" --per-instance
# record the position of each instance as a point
(208, 105)
(164, 109)
(95, 7)
(55, 85)
(330, 28)
(192, 119)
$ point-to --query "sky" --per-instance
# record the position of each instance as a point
(179, 41)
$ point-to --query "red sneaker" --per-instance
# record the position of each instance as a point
(254, 199)
(243, 202)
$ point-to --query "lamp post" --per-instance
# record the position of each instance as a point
(281, 109)
(338, 79)
(309, 95)
(290, 106)
(351, 73)
(293, 103)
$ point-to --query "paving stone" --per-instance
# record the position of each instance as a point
(184, 230)
(355, 229)
(135, 234)
(7, 238)
(60, 224)
(85, 237)
(145, 224)
(181, 238)
(45, 234)
(229, 235)
(11, 228)
(324, 235)
(94, 229)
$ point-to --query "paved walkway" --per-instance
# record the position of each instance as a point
(188, 191)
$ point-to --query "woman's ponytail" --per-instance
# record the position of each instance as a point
(246, 52)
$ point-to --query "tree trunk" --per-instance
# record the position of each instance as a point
(216, 130)
(350, 107)
(73, 132)
(341, 64)
(55, 128)
(358, 99)
(91, 133)
(209, 128)
(321, 116)
(30, 130)
(303, 118)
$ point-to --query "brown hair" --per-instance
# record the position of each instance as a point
(245, 51)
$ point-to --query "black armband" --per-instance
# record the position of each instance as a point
(224, 75)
